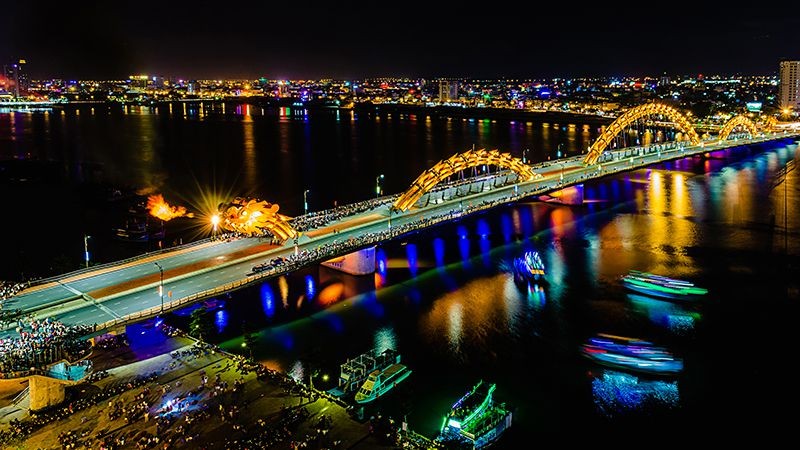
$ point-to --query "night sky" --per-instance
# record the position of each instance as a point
(354, 40)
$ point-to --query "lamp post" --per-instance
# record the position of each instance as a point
(305, 201)
(86, 249)
(378, 189)
(161, 285)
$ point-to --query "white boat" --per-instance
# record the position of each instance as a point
(380, 382)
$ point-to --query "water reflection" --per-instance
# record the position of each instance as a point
(385, 338)
(471, 314)
(666, 314)
(616, 393)
(221, 320)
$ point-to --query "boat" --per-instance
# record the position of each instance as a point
(475, 419)
(632, 354)
(380, 382)
(661, 286)
(355, 371)
(529, 268)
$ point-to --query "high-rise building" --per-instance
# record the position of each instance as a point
(448, 90)
(193, 87)
(790, 85)
(16, 78)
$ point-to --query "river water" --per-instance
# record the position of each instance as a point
(445, 300)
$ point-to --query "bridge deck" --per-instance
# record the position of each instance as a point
(112, 295)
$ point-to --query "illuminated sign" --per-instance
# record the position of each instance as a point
(754, 106)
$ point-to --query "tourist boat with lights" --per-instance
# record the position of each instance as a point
(475, 419)
(529, 268)
(382, 381)
(632, 354)
(661, 286)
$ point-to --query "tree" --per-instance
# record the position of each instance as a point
(202, 324)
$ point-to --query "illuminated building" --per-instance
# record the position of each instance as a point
(16, 79)
(789, 89)
(193, 87)
(448, 90)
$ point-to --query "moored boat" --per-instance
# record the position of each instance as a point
(475, 419)
(382, 381)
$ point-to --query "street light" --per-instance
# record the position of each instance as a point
(86, 249)
(161, 285)
(215, 224)
(378, 190)
(305, 201)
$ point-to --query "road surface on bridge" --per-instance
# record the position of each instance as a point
(113, 295)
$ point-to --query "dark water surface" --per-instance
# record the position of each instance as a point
(444, 298)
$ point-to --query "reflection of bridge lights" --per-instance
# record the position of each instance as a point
(411, 254)
(380, 255)
(310, 289)
(438, 251)
(283, 285)
(483, 229)
(267, 300)
(506, 227)
(463, 247)
(221, 320)
(455, 315)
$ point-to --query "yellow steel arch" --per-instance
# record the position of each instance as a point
(738, 121)
(253, 217)
(456, 163)
(651, 109)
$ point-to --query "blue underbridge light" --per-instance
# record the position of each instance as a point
(268, 300)
(310, 288)
(462, 232)
(463, 247)
(221, 320)
(411, 254)
(438, 251)
(483, 229)
(382, 261)
(507, 227)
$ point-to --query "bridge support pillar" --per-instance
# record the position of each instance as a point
(45, 392)
(572, 195)
(361, 262)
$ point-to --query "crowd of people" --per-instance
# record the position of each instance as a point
(41, 342)
(20, 429)
(179, 405)
(321, 218)
(9, 289)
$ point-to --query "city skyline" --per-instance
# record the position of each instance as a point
(359, 42)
